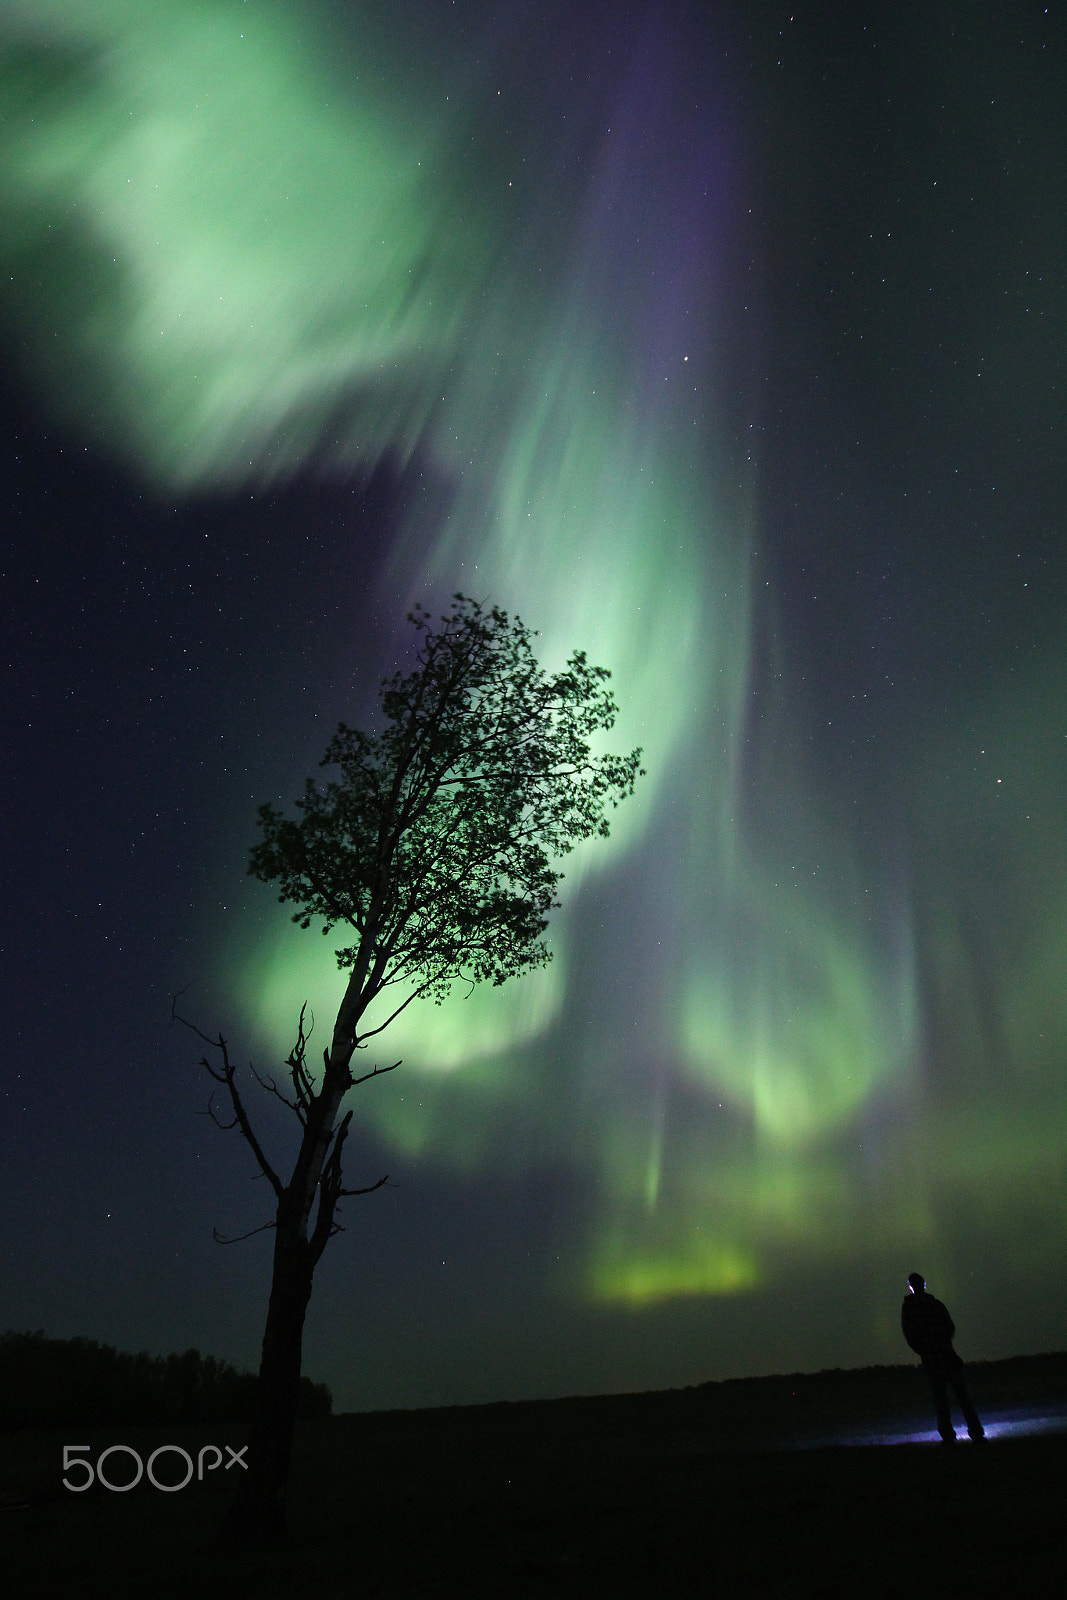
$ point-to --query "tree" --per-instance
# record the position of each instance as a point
(437, 849)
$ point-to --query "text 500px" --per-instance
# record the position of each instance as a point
(209, 1459)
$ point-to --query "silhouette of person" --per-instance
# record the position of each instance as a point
(929, 1330)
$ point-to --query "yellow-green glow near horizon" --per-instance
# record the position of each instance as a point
(719, 1270)
(232, 255)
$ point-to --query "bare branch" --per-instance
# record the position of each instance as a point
(368, 1190)
(212, 1113)
(378, 1072)
(176, 1016)
(295, 1061)
(330, 1189)
(271, 1087)
(240, 1114)
(219, 1077)
(220, 1238)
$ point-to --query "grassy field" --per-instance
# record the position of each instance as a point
(689, 1493)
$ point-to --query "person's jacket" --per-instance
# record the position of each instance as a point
(928, 1328)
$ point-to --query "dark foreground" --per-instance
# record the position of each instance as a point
(728, 1489)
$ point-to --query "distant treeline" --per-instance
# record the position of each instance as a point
(48, 1383)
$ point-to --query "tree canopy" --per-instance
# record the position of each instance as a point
(438, 845)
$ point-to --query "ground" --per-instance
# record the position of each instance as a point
(724, 1490)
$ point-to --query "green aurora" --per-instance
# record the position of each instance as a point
(237, 243)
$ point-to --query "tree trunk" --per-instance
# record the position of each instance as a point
(258, 1511)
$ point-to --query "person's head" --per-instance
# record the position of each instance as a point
(916, 1282)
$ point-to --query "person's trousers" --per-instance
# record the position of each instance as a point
(940, 1378)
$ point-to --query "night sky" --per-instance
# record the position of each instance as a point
(726, 342)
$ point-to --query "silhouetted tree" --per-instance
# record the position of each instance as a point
(437, 849)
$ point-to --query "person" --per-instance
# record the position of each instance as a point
(929, 1330)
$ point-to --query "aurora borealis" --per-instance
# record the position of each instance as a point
(725, 343)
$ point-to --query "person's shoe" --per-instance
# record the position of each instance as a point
(976, 1435)
(948, 1438)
